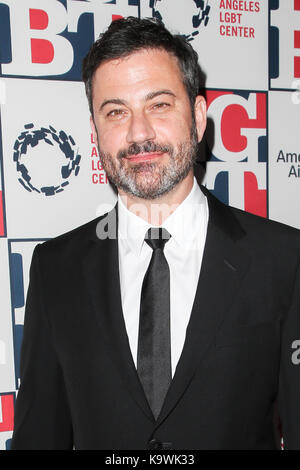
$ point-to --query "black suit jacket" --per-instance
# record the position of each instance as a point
(236, 379)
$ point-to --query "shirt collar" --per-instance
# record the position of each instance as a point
(131, 228)
(182, 224)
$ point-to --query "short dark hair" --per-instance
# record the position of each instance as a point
(127, 35)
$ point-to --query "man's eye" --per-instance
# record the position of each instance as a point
(160, 106)
(115, 113)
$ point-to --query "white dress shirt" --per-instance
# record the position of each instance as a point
(187, 226)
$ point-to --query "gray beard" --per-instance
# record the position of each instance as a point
(150, 180)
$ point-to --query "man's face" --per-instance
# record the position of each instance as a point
(143, 122)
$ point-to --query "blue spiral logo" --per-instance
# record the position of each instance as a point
(45, 159)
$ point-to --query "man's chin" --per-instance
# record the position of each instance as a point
(143, 167)
(148, 190)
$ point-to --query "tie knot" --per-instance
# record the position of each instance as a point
(157, 237)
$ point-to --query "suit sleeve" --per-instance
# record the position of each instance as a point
(42, 418)
(289, 379)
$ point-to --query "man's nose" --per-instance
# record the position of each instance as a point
(140, 129)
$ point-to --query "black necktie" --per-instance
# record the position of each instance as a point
(154, 345)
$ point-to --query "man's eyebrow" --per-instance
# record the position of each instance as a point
(112, 101)
(149, 96)
(154, 94)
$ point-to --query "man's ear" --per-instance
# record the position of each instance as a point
(200, 116)
(94, 131)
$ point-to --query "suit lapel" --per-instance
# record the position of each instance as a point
(223, 268)
(101, 270)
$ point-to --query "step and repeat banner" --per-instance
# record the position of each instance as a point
(51, 179)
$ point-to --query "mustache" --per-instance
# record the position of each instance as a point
(146, 147)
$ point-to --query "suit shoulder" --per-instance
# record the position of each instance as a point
(73, 239)
(253, 225)
(266, 229)
(264, 223)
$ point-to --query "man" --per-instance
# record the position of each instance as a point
(178, 337)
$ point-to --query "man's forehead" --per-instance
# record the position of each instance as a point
(146, 60)
(134, 77)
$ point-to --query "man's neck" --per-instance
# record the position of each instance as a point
(156, 211)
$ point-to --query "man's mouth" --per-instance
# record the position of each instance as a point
(144, 157)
